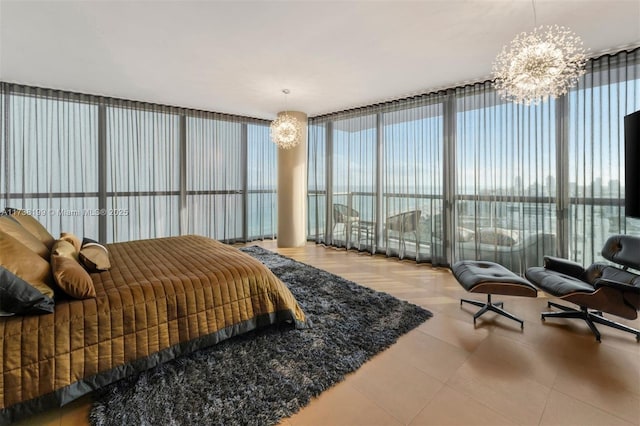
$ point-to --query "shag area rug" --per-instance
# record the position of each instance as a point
(266, 375)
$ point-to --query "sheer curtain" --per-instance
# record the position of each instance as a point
(342, 180)
(491, 180)
(353, 180)
(50, 158)
(376, 179)
(214, 177)
(413, 189)
(118, 170)
(262, 169)
(505, 179)
(317, 182)
(595, 149)
(143, 173)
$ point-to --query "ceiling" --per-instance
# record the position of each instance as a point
(237, 56)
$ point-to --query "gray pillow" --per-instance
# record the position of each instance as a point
(19, 297)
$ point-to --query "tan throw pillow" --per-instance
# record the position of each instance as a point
(68, 236)
(25, 279)
(32, 225)
(11, 226)
(70, 276)
(64, 248)
(94, 256)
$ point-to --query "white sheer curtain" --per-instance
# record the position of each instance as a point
(595, 136)
(505, 179)
(231, 174)
(317, 182)
(118, 170)
(413, 138)
(492, 180)
(262, 172)
(354, 154)
(143, 173)
(215, 177)
(50, 158)
(376, 179)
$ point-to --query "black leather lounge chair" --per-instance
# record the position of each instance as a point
(598, 289)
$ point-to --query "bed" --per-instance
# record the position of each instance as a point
(161, 298)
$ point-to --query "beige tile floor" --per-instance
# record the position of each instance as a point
(446, 372)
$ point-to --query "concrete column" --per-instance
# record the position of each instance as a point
(292, 190)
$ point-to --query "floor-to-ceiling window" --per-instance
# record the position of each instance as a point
(516, 182)
(412, 184)
(143, 173)
(505, 179)
(376, 179)
(49, 159)
(215, 177)
(317, 182)
(262, 202)
(354, 172)
(118, 170)
(595, 147)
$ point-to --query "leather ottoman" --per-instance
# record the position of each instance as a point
(490, 278)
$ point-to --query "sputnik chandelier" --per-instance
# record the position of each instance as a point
(286, 131)
(536, 65)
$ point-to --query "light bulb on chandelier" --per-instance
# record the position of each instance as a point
(545, 62)
(286, 130)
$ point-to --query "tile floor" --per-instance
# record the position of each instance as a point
(446, 372)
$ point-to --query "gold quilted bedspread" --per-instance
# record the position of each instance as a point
(158, 293)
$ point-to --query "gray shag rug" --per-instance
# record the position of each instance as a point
(269, 374)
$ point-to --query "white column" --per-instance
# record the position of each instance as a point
(292, 190)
